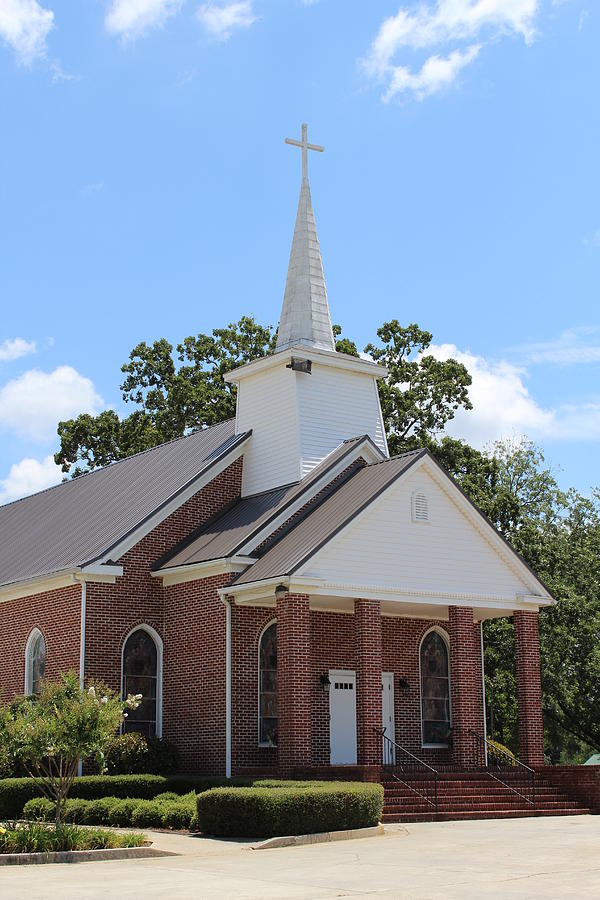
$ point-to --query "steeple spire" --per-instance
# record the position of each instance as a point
(305, 315)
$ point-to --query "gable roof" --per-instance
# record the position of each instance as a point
(287, 557)
(80, 521)
(303, 541)
(227, 533)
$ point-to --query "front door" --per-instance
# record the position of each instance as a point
(387, 717)
(342, 717)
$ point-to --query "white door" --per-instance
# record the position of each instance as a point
(387, 717)
(342, 717)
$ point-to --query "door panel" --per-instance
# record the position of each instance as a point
(342, 717)
(387, 717)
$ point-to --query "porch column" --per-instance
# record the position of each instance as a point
(464, 688)
(529, 688)
(367, 620)
(294, 750)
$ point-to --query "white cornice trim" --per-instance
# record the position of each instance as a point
(319, 357)
(201, 480)
(226, 565)
(96, 574)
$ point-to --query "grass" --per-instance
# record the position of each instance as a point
(40, 837)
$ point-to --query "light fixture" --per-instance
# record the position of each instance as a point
(300, 365)
(404, 686)
(324, 682)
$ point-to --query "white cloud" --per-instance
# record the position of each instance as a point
(131, 18)
(15, 348)
(33, 404)
(28, 476)
(503, 406)
(220, 20)
(458, 28)
(574, 346)
(592, 240)
(24, 26)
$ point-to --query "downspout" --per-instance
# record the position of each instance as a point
(483, 695)
(82, 648)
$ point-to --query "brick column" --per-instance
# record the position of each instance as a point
(464, 686)
(367, 618)
(529, 688)
(293, 683)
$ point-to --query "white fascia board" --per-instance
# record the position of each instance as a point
(204, 478)
(364, 448)
(226, 565)
(320, 357)
(97, 574)
(255, 589)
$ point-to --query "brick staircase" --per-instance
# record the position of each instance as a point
(475, 795)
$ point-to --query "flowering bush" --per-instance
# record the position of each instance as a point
(49, 733)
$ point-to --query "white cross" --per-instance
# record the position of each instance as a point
(305, 148)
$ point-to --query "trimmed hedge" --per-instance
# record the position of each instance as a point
(303, 808)
(15, 792)
(166, 811)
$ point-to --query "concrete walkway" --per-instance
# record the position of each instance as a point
(519, 858)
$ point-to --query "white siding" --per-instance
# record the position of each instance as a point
(385, 547)
(334, 405)
(266, 403)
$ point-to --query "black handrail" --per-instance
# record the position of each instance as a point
(489, 757)
(419, 777)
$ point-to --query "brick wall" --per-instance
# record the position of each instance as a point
(465, 683)
(294, 749)
(367, 615)
(57, 614)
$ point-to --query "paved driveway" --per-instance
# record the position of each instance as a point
(521, 858)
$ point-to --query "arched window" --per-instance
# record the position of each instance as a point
(267, 686)
(435, 690)
(35, 662)
(142, 672)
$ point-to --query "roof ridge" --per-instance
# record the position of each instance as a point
(110, 465)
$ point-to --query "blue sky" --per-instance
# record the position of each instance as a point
(146, 191)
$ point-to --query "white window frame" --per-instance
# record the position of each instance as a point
(159, 669)
(34, 634)
(260, 637)
(446, 638)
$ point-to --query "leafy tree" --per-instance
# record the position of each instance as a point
(49, 733)
(422, 393)
(172, 398)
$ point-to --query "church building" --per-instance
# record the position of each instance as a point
(287, 597)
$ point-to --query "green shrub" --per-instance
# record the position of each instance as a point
(39, 809)
(266, 811)
(136, 754)
(165, 813)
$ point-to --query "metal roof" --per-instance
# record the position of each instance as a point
(80, 521)
(228, 531)
(320, 526)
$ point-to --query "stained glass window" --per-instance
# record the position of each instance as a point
(435, 690)
(36, 664)
(140, 661)
(267, 690)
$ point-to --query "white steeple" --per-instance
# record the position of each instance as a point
(305, 319)
(306, 399)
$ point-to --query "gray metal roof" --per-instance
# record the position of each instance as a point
(80, 521)
(225, 534)
(320, 526)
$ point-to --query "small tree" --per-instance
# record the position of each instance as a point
(51, 732)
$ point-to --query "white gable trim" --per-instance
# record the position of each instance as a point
(193, 487)
(365, 448)
(226, 565)
(97, 574)
(325, 357)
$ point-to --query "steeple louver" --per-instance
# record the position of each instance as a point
(305, 318)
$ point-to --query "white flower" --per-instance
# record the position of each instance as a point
(91, 691)
(104, 701)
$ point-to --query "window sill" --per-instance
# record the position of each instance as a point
(268, 746)
(434, 746)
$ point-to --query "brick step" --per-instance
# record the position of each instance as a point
(501, 813)
(467, 790)
(478, 807)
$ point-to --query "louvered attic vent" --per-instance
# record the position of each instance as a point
(420, 507)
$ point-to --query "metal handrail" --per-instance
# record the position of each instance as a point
(420, 778)
(494, 760)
